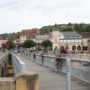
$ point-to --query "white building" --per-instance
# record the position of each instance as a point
(71, 39)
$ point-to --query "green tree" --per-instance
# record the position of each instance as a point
(11, 44)
(88, 28)
(80, 28)
(29, 44)
(46, 29)
(46, 44)
(66, 29)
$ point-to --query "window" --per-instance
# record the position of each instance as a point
(65, 41)
(72, 40)
(69, 40)
(76, 40)
(78, 48)
(79, 40)
(85, 48)
(73, 48)
(61, 41)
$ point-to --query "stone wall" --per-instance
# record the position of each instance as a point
(7, 84)
(27, 81)
(23, 81)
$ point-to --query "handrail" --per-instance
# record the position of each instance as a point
(78, 72)
(19, 66)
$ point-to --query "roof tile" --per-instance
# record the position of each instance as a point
(85, 34)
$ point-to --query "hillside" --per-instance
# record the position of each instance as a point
(67, 27)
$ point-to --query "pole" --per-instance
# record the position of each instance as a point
(68, 74)
(80, 68)
(89, 73)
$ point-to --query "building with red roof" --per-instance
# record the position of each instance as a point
(28, 34)
(14, 37)
(85, 34)
(1, 38)
(20, 37)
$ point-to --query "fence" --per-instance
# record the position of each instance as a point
(80, 68)
(80, 56)
(18, 65)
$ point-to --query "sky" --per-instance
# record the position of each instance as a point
(16, 15)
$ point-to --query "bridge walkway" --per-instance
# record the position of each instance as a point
(49, 79)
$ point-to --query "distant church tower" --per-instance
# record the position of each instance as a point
(55, 37)
(55, 31)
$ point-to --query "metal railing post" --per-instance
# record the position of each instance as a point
(89, 71)
(25, 54)
(80, 56)
(89, 57)
(72, 65)
(42, 60)
(68, 74)
(80, 68)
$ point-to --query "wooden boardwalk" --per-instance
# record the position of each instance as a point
(49, 79)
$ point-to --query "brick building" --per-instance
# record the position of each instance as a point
(28, 34)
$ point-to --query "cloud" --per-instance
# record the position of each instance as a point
(22, 14)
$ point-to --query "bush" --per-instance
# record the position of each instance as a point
(11, 44)
(29, 44)
(46, 44)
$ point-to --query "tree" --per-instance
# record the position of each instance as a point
(69, 24)
(29, 44)
(66, 29)
(46, 44)
(11, 44)
(80, 28)
(46, 29)
(88, 28)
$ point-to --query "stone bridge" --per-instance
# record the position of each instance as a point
(36, 72)
(14, 76)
